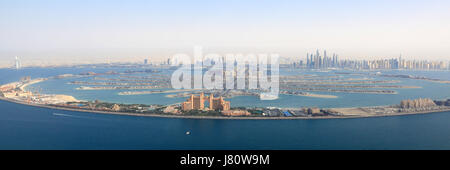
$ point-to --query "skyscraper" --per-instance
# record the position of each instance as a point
(18, 65)
(318, 61)
(308, 62)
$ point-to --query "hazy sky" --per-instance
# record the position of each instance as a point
(94, 30)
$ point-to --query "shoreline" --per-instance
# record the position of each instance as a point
(344, 113)
(221, 117)
(314, 95)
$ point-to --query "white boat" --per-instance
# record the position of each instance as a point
(264, 96)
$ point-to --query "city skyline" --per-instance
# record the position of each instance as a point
(51, 32)
(224, 83)
(317, 60)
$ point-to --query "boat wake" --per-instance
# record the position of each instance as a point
(73, 116)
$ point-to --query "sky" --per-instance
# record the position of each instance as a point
(80, 31)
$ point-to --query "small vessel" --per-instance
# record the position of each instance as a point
(188, 133)
(264, 96)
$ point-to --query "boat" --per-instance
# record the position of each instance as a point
(264, 96)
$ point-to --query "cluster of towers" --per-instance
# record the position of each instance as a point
(417, 103)
(318, 61)
(198, 103)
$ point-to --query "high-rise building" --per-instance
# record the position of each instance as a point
(18, 64)
(318, 61)
(198, 103)
(307, 60)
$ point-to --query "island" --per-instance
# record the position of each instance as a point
(205, 105)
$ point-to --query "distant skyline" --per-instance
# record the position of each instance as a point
(82, 31)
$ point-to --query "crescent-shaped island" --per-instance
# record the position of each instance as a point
(197, 104)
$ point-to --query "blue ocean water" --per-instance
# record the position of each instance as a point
(27, 127)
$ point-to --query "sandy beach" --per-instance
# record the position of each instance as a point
(320, 96)
(347, 113)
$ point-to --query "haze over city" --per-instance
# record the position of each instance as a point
(225, 83)
(65, 32)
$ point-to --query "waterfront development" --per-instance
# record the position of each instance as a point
(296, 84)
(200, 83)
(373, 120)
